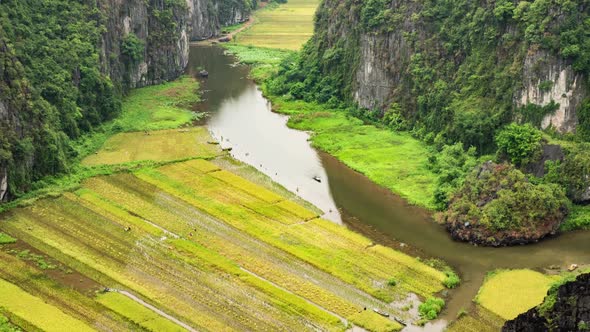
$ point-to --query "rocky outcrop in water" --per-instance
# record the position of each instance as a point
(498, 206)
(566, 309)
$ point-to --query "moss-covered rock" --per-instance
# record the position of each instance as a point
(498, 206)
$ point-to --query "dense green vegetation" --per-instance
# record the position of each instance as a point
(164, 106)
(50, 71)
(457, 71)
(499, 205)
(431, 308)
(521, 145)
(458, 80)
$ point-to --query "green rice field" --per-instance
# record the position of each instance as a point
(206, 246)
(285, 26)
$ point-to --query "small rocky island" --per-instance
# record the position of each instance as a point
(499, 206)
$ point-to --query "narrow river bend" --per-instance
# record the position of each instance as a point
(241, 118)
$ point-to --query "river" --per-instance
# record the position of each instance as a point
(241, 118)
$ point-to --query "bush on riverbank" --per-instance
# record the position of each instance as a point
(431, 308)
(497, 205)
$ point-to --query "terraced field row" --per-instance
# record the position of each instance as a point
(212, 250)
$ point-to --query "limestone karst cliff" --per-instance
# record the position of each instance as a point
(64, 66)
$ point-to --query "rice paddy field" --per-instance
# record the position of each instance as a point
(285, 26)
(158, 146)
(201, 244)
(508, 293)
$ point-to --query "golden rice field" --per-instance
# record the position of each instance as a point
(161, 145)
(477, 320)
(204, 245)
(286, 26)
(508, 293)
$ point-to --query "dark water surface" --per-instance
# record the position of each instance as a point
(243, 118)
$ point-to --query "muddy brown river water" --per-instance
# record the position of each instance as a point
(241, 118)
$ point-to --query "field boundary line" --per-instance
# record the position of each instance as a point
(152, 308)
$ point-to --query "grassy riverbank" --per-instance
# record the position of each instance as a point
(394, 160)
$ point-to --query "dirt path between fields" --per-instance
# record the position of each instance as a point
(154, 309)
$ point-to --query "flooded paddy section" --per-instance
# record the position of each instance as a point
(241, 118)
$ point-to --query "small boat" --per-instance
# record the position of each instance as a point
(317, 179)
(384, 314)
(204, 73)
(401, 321)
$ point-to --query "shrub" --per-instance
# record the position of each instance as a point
(573, 173)
(6, 239)
(431, 308)
(452, 280)
(391, 282)
(521, 144)
(452, 164)
(133, 48)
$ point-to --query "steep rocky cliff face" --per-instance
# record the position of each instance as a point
(458, 70)
(65, 64)
(165, 31)
(566, 308)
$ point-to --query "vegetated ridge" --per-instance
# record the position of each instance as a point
(65, 65)
(470, 80)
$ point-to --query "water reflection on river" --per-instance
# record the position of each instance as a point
(242, 119)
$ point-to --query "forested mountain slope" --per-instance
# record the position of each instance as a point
(65, 64)
(452, 70)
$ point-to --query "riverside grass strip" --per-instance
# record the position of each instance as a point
(35, 311)
(508, 293)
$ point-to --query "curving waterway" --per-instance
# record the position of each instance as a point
(241, 118)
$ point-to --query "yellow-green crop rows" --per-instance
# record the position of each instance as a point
(161, 145)
(213, 250)
(287, 26)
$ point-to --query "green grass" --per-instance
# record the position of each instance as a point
(137, 313)
(257, 55)
(164, 106)
(396, 161)
(285, 26)
(6, 239)
(509, 293)
(7, 326)
(35, 311)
